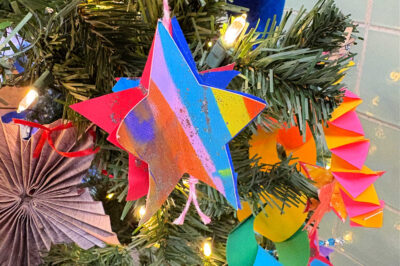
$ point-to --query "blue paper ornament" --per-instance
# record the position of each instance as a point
(263, 10)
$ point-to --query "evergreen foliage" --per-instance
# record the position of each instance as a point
(86, 45)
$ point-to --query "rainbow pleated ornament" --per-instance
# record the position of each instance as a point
(345, 138)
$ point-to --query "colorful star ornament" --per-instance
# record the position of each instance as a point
(176, 120)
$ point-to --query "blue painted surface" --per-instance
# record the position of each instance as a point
(263, 10)
(317, 262)
(125, 83)
(264, 258)
(213, 79)
(7, 118)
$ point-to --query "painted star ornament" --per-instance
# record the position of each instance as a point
(175, 120)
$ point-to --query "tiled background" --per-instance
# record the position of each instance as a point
(377, 80)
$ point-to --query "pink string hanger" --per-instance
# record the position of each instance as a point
(167, 15)
(192, 197)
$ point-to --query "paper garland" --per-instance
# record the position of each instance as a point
(264, 144)
(40, 202)
(242, 248)
(278, 226)
(298, 250)
(182, 125)
(295, 251)
(283, 228)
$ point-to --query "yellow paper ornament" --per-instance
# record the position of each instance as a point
(277, 226)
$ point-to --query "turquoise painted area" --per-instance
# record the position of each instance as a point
(125, 83)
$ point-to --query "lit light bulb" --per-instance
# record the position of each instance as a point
(210, 43)
(29, 98)
(234, 30)
(142, 211)
(110, 196)
(207, 249)
(328, 163)
(348, 237)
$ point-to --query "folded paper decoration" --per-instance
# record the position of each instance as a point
(345, 138)
(183, 123)
(242, 248)
(295, 251)
(353, 194)
(40, 203)
(277, 225)
(283, 228)
(264, 144)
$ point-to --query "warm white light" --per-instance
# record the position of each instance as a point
(142, 211)
(348, 237)
(110, 196)
(210, 44)
(30, 97)
(234, 30)
(207, 249)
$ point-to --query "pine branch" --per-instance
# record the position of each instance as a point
(290, 69)
(72, 255)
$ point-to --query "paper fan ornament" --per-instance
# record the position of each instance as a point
(40, 203)
(183, 124)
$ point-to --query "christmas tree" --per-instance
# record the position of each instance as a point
(76, 51)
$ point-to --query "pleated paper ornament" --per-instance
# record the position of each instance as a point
(352, 193)
(40, 202)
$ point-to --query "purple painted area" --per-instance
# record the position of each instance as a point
(325, 251)
(141, 130)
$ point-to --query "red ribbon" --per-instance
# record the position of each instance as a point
(46, 135)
